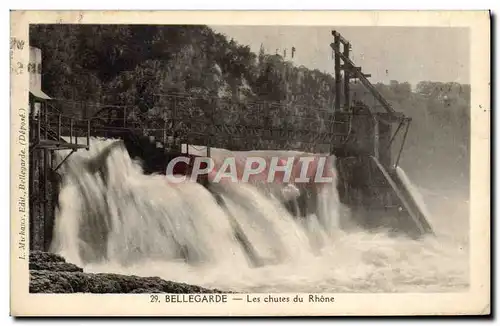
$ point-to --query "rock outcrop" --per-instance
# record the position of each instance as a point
(50, 273)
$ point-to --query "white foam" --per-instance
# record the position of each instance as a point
(119, 220)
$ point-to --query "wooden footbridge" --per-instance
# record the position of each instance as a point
(362, 137)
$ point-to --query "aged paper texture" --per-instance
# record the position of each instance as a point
(266, 163)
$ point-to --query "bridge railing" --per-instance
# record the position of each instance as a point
(218, 121)
(214, 110)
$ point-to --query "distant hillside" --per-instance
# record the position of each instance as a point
(438, 145)
(133, 64)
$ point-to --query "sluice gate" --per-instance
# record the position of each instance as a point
(362, 137)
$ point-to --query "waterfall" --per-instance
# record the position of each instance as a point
(235, 236)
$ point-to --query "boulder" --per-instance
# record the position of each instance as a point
(50, 273)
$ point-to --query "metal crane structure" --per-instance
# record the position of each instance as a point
(362, 137)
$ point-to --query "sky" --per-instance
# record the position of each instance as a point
(405, 54)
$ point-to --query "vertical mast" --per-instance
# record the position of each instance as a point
(338, 81)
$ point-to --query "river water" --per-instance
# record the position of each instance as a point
(121, 221)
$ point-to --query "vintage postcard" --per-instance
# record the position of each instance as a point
(250, 163)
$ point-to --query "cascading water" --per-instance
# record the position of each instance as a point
(237, 237)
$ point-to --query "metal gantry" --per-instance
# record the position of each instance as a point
(50, 131)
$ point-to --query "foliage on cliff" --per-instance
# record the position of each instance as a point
(122, 63)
